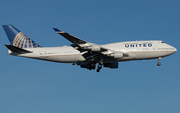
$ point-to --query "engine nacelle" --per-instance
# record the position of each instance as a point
(94, 48)
(113, 65)
(117, 55)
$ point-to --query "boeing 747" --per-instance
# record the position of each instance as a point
(85, 54)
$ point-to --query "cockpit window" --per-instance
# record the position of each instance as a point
(162, 42)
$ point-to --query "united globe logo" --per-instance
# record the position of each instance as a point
(22, 41)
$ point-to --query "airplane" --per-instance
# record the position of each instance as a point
(85, 54)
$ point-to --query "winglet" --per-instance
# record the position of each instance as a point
(57, 30)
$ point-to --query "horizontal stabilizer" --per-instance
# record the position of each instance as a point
(69, 37)
(16, 49)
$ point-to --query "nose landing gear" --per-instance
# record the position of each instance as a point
(159, 63)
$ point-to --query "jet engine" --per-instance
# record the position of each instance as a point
(94, 48)
(116, 55)
(111, 65)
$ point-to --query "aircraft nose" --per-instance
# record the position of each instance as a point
(175, 49)
(172, 49)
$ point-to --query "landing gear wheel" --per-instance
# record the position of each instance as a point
(100, 65)
(158, 63)
(98, 70)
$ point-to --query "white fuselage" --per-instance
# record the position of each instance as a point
(135, 50)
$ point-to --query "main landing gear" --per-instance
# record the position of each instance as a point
(159, 63)
(99, 66)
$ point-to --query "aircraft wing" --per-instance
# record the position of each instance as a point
(69, 37)
(79, 43)
(82, 46)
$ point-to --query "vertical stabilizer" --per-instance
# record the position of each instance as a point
(18, 39)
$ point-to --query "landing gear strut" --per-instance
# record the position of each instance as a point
(159, 63)
(93, 66)
(100, 66)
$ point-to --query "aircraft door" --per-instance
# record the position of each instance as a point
(41, 54)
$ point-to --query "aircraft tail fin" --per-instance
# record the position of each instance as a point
(18, 39)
